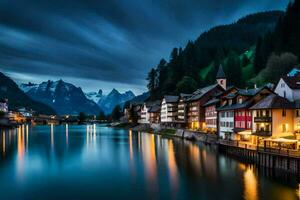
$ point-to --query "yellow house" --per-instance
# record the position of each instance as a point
(272, 118)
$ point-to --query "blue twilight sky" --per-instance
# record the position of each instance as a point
(105, 44)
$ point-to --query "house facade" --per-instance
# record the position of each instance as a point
(154, 114)
(211, 115)
(226, 113)
(273, 117)
(145, 116)
(4, 105)
(169, 109)
(289, 86)
(196, 110)
(182, 109)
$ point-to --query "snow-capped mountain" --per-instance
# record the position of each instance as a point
(28, 86)
(63, 97)
(95, 96)
(108, 102)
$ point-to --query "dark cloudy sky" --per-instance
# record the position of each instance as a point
(105, 43)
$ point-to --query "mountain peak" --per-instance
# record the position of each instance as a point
(114, 92)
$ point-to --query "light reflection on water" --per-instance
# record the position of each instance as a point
(90, 161)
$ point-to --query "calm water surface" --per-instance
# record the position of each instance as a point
(95, 162)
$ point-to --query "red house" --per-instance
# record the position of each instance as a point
(242, 115)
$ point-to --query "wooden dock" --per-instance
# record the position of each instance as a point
(282, 159)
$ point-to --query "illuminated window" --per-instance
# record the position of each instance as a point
(284, 128)
(240, 100)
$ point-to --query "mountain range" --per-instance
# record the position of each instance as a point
(18, 99)
(108, 102)
(63, 97)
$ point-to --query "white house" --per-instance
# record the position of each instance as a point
(169, 109)
(145, 115)
(226, 123)
(4, 105)
(289, 86)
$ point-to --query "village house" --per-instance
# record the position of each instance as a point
(226, 113)
(289, 86)
(273, 121)
(4, 105)
(132, 112)
(182, 110)
(169, 110)
(196, 111)
(195, 103)
(154, 113)
(144, 119)
(236, 112)
(211, 115)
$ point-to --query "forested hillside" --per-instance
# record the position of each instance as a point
(196, 64)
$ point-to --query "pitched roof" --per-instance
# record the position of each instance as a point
(154, 109)
(213, 101)
(273, 101)
(246, 104)
(201, 92)
(171, 99)
(220, 73)
(292, 81)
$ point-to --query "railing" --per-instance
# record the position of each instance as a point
(260, 149)
(262, 119)
(262, 133)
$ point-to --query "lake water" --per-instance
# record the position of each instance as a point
(96, 162)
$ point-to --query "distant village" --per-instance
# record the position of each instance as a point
(267, 116)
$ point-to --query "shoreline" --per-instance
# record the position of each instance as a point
(259, 156)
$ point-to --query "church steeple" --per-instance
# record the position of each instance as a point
(221, 78)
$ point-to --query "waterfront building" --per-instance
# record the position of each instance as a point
(154, 114)
(149, 108)
(196, 109)
(144, 114)
(236, 118)
(226, 116)
(132, 112)
(195, 103)
(182, 109)
(169, 110)
(211, 115)
(4, 105)
(289, 86)
(273, 121)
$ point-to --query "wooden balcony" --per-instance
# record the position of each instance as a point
(262, 119)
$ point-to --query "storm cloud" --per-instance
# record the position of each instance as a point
(105, 44)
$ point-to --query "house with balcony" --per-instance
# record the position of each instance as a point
(169, 110)
(195, 106)
(226, 113)
(273, 119)
(235, 118)
(182, 109)
(195, 103)
(149, 109)
(154, 114)
(144, 119)
(211, 115)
